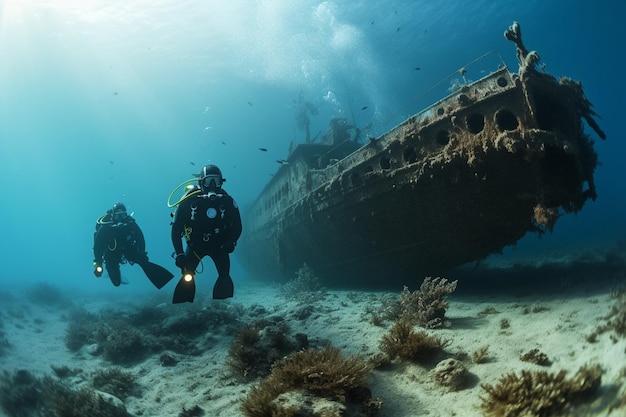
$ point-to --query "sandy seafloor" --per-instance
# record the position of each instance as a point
(551, 304)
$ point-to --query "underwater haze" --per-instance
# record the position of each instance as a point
(104, 101)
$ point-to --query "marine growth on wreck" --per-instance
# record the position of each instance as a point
(474, 172)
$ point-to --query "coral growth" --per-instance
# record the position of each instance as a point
(615, 320)
(46, 294)
(121, 343)
(114, 381)
(257, 346)
(427, 306)
(22, 394)
(389, 309)
(82, 325)
(402, 342)
(321, 374)
(481, 355)
(304, 288)
(539, 394)
(127, 337)
(536, 357)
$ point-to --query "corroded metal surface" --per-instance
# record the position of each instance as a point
(469, 175)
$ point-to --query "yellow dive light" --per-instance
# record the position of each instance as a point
(188, 276)
(99, 268)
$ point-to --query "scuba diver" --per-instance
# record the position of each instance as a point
(209, 221)
(117, 240)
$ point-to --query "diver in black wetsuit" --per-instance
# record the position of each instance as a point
(209, 221)
(118, 239)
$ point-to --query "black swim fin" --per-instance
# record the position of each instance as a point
(184, 292)
(157, 274)
(223, 288)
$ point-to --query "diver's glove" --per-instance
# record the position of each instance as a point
(181, 260)
(97, 269)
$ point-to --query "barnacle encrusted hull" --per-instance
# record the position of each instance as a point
(464, 178)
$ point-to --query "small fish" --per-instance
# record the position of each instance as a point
(111, 162)
(398, 30)
(263, 149)
(223, 143)
(418, 68)
(250, 104)
(372, 22)
(282, 162)
(192, 163)
(364, 108)
(115, 93)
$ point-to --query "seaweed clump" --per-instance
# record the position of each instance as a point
(257, 346)
(46, 294)
(122, 343)
(404, 343)
(22, 394)
(302, 379)
(305, 288)
(539, 394)
(131, 336)
(80, 330)
(114, 381)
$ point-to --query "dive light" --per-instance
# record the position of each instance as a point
(188, 276)
(97, 269)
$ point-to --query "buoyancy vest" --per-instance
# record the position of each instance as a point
(206, 218)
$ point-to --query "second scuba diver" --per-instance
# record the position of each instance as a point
(119, 239)
(209, 221)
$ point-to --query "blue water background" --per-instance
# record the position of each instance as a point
(104, 101)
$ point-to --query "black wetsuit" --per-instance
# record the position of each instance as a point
(117, 243)
(211, 225)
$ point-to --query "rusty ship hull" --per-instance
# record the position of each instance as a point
(456, 182)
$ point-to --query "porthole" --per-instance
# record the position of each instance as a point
(409, 155)
(502, 82)
(506, 120)
(463, 99)
(385, 163)
(475, 123)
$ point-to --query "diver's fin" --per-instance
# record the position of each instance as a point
(185, 291)
(223, 288)
(157, 274)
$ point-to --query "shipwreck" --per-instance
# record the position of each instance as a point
(464, 178)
